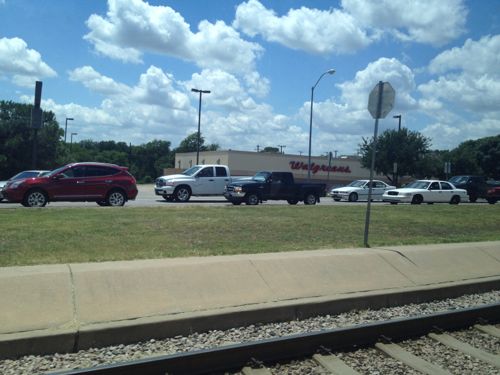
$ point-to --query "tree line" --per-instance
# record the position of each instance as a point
(145, 161)
(409, 149)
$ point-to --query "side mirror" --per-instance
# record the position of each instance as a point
(58, 177)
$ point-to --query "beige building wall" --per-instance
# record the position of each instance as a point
(245, 163)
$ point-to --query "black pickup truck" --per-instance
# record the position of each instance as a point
(476, 186)
(273, 186)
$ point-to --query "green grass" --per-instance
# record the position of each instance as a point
(64, 235)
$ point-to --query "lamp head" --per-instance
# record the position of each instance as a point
(331, 71)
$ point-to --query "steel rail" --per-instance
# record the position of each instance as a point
(235, 357)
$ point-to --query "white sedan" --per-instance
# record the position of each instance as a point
(426, 191)
(358, 189)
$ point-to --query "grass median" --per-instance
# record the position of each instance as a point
(74, 235)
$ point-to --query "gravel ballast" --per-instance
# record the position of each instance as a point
(212, 339)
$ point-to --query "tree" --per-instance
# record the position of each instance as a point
(271, 149)
(481, 157)
(16, 139)
(190, 144)
(149, 160)
(488, 155)
(404, 147)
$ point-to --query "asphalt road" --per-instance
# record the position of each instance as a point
(147, 198)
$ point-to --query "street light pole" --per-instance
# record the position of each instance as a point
(330, 71)
(199, 122)
(66, 127)
(399, 122)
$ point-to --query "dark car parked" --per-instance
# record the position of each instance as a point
(476, 186)
(106, 184)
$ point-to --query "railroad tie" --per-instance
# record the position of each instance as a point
(465, 348)
(255, 371)
(489, 329)
(397, 352)
(334, 364)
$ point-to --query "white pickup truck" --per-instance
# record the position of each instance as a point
(199, 180)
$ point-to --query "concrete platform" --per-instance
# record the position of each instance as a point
(69, 307)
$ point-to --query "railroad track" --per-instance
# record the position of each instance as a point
(253, 357)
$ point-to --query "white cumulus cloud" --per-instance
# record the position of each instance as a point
(22, 64)
(132, 27)
(312, 30)
(355, 25)
(425, 21)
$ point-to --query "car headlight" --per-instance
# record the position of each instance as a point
(238, 189)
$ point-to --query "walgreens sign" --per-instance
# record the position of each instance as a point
(315, 168)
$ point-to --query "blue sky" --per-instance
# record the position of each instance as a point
(124, 69)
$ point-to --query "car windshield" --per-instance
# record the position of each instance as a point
(261, 176)
(25, 174)
(191, 171)
(357, 183)
(458, 179)
(56, 171)
(418, 185)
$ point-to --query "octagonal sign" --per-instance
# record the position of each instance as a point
(387, 100)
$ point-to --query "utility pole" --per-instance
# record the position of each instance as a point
(199, 122)
(281, 148)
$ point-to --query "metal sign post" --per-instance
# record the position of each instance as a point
(380, 103)
(36, 121)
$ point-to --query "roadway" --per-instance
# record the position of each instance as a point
(147, 198)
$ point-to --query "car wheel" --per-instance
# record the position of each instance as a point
(102, 203)
(182, 194)
(336, 199)
(115, 198)
(310, 199)
(353, 197)
(492, 200)
(252, 199)
(455, 199)
(417, 199)
(292, 201)
(35, 198)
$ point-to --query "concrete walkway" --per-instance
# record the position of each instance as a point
(72, 306)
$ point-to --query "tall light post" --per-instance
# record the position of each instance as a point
(399, 122)
(199, 121)
(330, 71)
(66, 127)
(71, 142)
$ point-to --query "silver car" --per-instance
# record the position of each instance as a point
(20, 176)
(358, 190)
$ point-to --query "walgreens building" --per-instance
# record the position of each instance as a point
(335, 171)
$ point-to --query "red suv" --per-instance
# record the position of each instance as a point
(106, 184)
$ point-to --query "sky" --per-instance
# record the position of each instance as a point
(124, 70)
